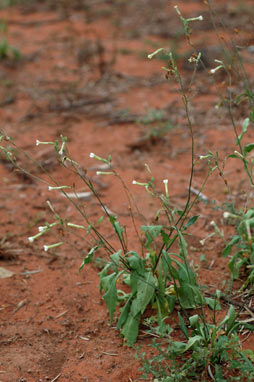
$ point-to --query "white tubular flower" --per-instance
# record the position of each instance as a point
(202, 157)
(75, 225)
(32, 238)
(61, 151)
(47, 247)
(165, 181)
(104, 173)
(150, 56)
(177, 10)
(238, 154)
(226, 215)
(43, 143)
(198, 18)
(50, 188)
(212, 71)
(47, 227)
(139, 183)
(92, 155)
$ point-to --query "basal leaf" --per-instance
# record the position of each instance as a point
(130, 329)
(145, 290)
(125, 313)
(192, 341)
(110, 296)
(183, 327)
(213, 303)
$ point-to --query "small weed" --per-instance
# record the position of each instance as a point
(156, 125)
(243, 246)
(7, 51)
(210, 352)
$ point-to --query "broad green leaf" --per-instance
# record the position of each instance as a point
(110, 296)
(192, 341)
(178, 347)
(135, 308)
(213, 303)
(145, 291)
(130, 329)
(125, 313)
(103, 274)
(194, 321)
(136, 263)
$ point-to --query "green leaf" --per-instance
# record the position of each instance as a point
(145, 291)
(252, 115)
(119, 229)
(183, 327)
(115, 257)
(178, 347)
(192, 220)
(136, 263)
(110, 296)
(183, 245)
(125, 313)
(194, 321)
(89, 257)
(116, 225)
(192, 341)
(130, 329)
(151, 232)
(231, 318)
(246, 123)
(171, 303)
(213, 303)
(227, 250)
(248, 148)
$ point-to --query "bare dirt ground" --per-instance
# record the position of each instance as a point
(84, 73)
